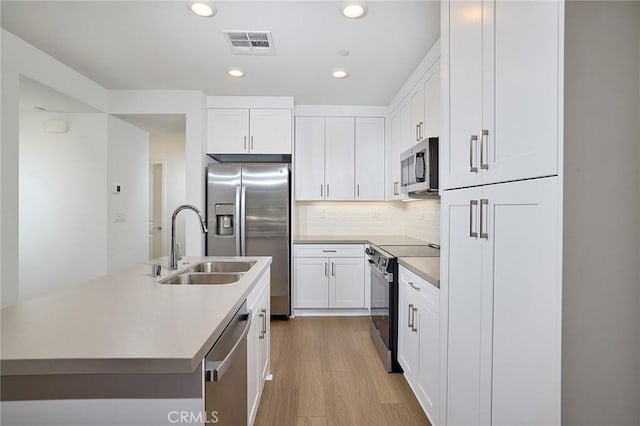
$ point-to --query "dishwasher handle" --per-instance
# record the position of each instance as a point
(214, 370)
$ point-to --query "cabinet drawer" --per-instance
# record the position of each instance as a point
(332, 250)
(429, 294)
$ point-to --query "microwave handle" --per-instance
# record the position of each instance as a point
(424, 166)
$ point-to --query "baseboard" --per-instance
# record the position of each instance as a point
(328, 312)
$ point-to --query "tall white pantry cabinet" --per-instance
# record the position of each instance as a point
(501, 212)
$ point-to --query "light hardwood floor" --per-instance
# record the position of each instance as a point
(326, 372)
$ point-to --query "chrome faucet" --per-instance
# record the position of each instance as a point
(173, 255)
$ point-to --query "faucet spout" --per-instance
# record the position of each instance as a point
(173, 255)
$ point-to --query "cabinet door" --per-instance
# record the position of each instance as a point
(346, 283)
(407, 136)
(428, 388)
(264, 337)
(521, 86)
(432, 103)
(312, 282)
(407, 338)
(253, 371)
(227, 131)
(417, 113)
(393, 158)
(340, 158)
(309, 164)
(462, 60)
(369, 159)
(469, 314)
(521, 263)
(270, 131)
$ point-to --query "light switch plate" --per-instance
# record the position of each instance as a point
(120, 218)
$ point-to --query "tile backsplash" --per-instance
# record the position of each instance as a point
(419, 218)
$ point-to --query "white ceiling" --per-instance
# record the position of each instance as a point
(162, 45)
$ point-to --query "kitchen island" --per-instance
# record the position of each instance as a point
(123, 346)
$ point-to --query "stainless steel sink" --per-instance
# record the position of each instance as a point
(201, 278)
(221, 266)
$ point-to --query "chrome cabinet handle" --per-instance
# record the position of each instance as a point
(245, 142)
(410, 312)
(326, 266)
(263, 314)
(327, 190)
(395, 188)
(321, 190)
(484, 230)
(474, 138)
(472, 203)
(358, 190)
(420, 127)
(485, 137)
(413, 286)
(417, 131)
(333, 269)
(328, 251)
(413, 320)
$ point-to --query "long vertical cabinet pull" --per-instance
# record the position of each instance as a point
(262, 315)
(484, 138)
(472, 233)
(251, 142)
(410, 314)
(472, 168)
(484, 220)
(333, 269)
(245, 142)
(327, 190)
(321, 190)
(358, 190)
(326, 269)
(263, 332)
(413, 320)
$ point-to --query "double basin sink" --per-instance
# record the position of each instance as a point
(210, 273)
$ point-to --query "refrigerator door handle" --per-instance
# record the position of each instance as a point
(238, 229)
(243, 221)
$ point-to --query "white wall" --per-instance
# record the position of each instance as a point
(168, 148)
(62, 224)
(20, 58)
(128, 166)
(191, 103)
(601, 277)
(419, 219)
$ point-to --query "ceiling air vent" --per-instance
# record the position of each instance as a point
(250, 42)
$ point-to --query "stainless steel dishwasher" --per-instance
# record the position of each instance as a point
(226, 373)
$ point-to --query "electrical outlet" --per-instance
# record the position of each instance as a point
(120, 218)
(323, 213)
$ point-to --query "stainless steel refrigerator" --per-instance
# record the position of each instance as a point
(248, 215)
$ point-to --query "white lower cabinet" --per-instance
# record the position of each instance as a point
(419, 340)
(329, 276)
(258, 345)
(502, 284)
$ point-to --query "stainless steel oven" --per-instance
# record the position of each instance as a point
(383, 267)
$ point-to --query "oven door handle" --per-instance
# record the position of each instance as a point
(214, 370)
(385, 276)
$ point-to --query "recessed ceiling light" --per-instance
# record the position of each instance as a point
(354, 10)
(236, 72)
(203, 8)
(340, 74)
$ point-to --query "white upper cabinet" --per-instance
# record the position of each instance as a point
(392, 187)
(501, 94)
(432, 103)
(270, 131)
(339, 158)
(309, 159)
(417, 113)
(249, 131)
(228, 130)
(369, 173)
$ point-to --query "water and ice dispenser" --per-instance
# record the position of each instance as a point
(225, 219)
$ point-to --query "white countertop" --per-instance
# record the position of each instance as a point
(378, 240)
(124, 322)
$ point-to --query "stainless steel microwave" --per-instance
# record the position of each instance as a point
(419, 169)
